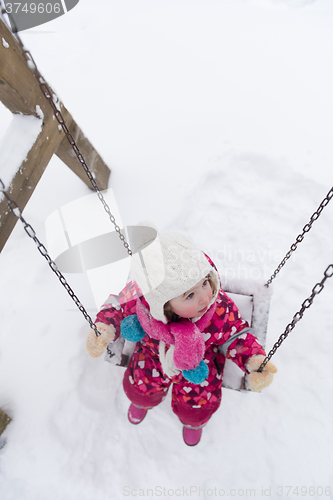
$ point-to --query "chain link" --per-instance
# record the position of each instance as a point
(15, 209)
(318, 288)
(300, 237)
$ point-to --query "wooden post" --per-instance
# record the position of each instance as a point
(4, 421)
(20, 93)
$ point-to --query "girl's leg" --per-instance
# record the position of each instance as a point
(195, 404)
(138, 398)
(193, 417)
(143, 381)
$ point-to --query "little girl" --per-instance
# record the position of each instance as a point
(185, 327)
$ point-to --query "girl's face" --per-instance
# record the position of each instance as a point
(193, 303)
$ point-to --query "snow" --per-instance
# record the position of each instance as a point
(31, 65)
(4, 43)
(215, 119)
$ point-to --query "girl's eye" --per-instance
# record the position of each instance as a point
(190, 296)
(205, 283)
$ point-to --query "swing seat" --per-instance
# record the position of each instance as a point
(251, 298)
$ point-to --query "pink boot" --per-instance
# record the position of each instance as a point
(191, 436)
(136, 415)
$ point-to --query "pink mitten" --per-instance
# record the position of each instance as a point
(257, 381)
(96, 345)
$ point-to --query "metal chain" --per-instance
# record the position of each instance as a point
(300, 237)
(306, 304)
(15, 209)
(58, 115)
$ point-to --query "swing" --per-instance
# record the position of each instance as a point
(251, 299)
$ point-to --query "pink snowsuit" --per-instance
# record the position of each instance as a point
(144, 382)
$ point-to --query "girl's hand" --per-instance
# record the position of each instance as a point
(96, 345)
(257, 381)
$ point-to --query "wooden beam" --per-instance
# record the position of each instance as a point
(19, 89)
(28, 175)
(97, 167)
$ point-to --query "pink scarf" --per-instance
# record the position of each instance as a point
(184, 335)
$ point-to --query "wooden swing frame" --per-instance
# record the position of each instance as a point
(21, 94)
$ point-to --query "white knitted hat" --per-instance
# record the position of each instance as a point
(168, 267)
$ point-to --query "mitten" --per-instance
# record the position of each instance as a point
(257, 381)
(96, 345)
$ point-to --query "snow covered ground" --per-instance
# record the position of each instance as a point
(216, 120)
